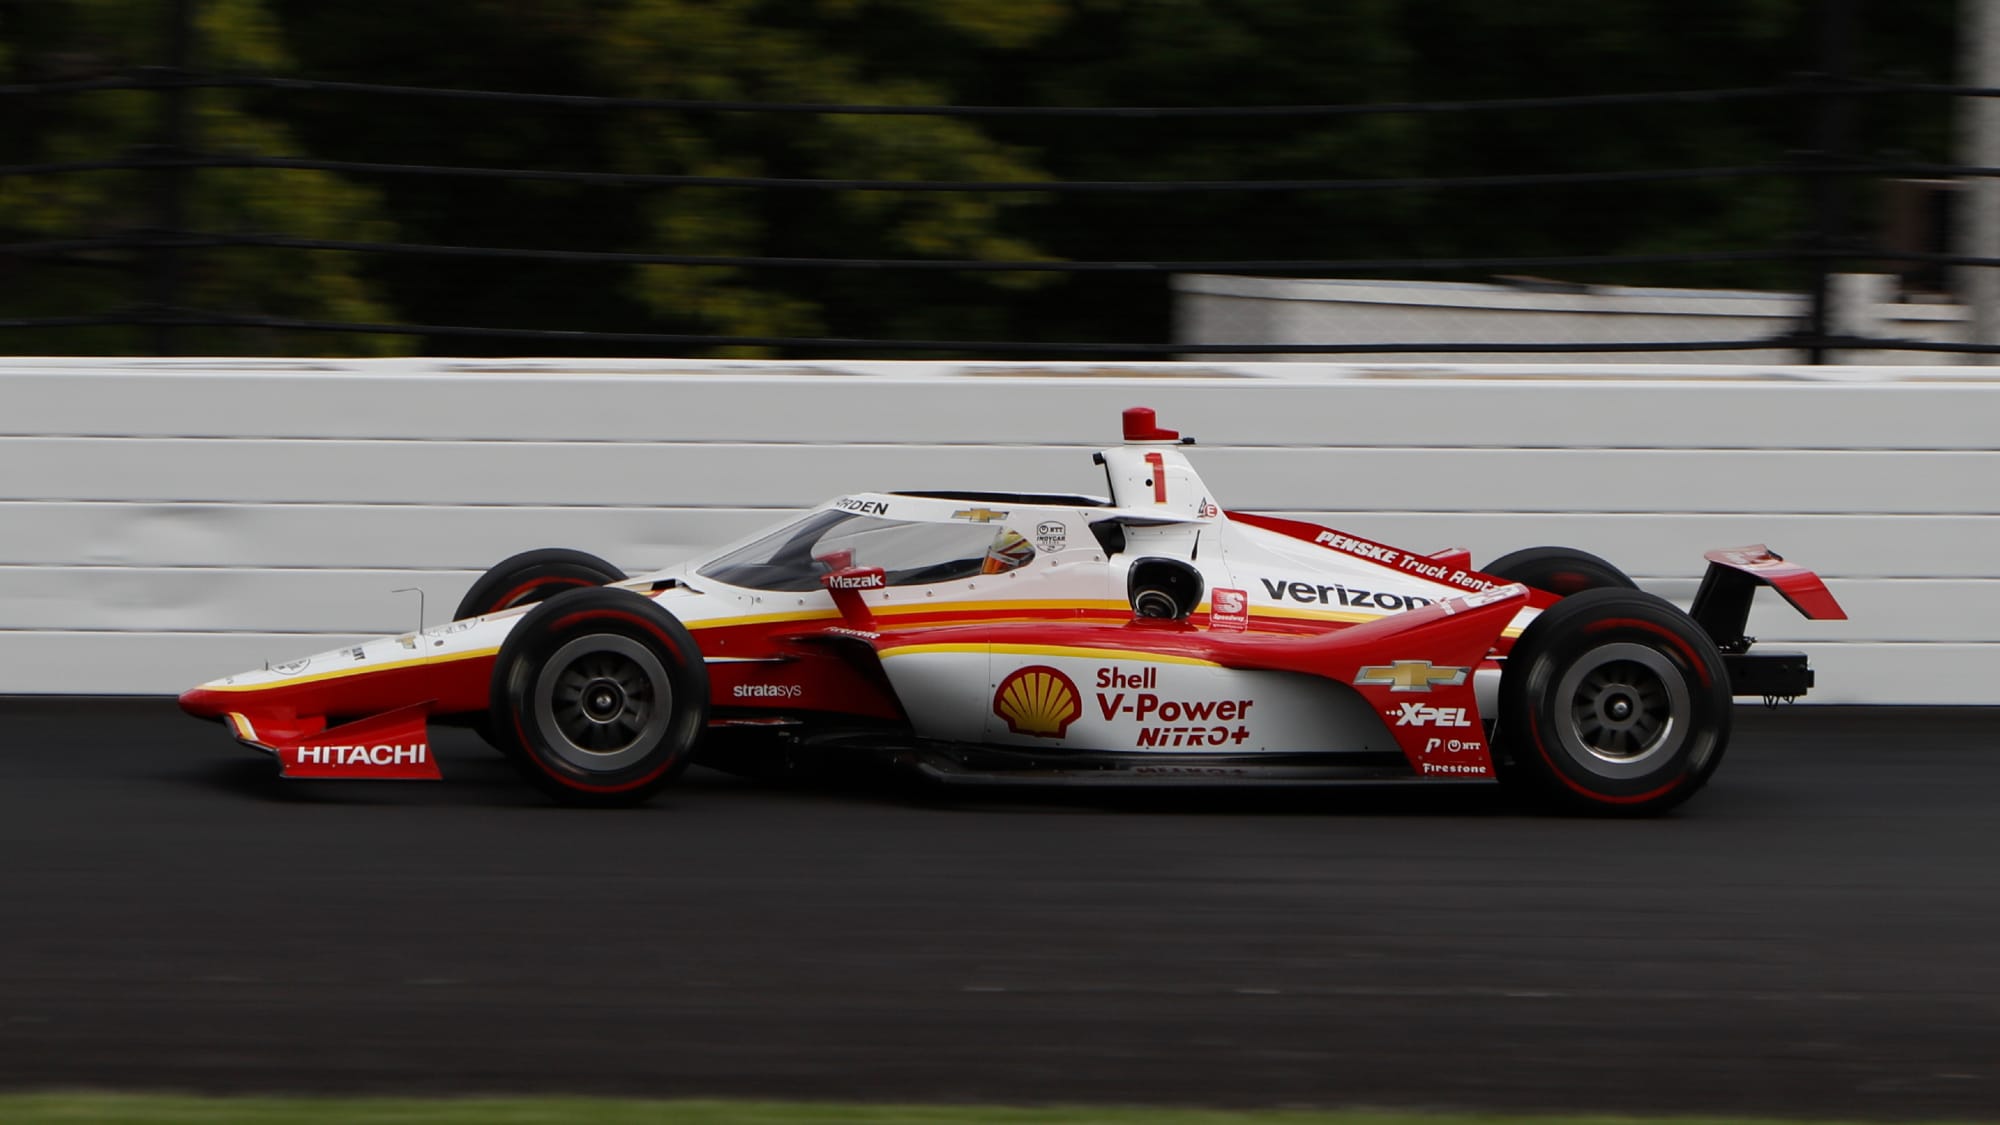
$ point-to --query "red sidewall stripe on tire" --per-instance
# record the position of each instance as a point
(651, 628)
(1535, 733)
(1679, 642)
(507, 601)
(587, 787)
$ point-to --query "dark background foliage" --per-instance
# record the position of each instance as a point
(909, 52)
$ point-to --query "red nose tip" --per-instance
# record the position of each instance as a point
(202, 703)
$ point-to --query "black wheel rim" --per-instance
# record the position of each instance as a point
(602, 702)
(1622, 710)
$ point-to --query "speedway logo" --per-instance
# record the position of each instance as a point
(767, 691)
(1229, 611)
(1424, 715)
(1308, 593)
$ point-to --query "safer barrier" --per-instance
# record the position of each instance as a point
(166, 521)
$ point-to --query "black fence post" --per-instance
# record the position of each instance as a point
(1832, 119)
(176, 140)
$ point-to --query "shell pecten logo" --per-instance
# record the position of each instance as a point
(1038, 700)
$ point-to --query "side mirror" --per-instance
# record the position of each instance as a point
(846, 585)
(855, 578)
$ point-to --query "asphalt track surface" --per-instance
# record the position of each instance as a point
(1817, 934)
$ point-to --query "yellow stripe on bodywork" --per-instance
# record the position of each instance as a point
(985, 611)
(357, 670)
(1346, 615)
(1081, 651)
(1003, 607)
(699, 624)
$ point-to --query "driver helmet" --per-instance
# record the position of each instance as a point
(1008, 550)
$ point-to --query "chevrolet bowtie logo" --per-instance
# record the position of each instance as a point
(978, 515)
(1410, 675)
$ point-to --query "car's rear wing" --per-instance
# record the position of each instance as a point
(1722, 608)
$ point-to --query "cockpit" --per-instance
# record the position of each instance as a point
(910, 553)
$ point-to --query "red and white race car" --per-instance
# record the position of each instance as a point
(995, 636)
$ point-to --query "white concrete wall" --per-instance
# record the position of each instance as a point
(166, 521)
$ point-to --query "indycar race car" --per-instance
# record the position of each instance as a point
(1009, 637)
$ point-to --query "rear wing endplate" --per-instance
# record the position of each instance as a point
(1722, 604)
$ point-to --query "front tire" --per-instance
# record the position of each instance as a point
(1613, 701)
(598, 697)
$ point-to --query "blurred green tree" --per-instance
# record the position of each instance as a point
(1278, 52)
(89, 38)
(1034, 52)
(842, 51)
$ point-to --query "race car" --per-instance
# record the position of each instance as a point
(996, 637)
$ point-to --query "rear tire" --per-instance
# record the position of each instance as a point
(599, 697)
(533, 576)
(1614, 702)
(525, 579)
(1559, 570)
